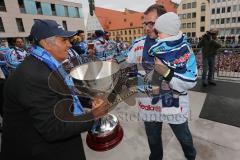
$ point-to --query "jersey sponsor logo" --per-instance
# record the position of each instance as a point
(149, 107)
(138, 48)
(182, 59)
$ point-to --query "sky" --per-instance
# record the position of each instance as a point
(118, 5)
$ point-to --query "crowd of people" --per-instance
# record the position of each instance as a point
(226, 62)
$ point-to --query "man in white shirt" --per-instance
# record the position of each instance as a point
(21, 53)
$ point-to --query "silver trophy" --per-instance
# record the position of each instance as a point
(100, 78)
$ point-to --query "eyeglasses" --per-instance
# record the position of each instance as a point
(149, 24)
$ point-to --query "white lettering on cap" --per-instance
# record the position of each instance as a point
(61, 27)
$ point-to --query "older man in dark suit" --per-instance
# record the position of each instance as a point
(40, 101)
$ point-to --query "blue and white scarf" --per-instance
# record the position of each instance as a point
(53, 64)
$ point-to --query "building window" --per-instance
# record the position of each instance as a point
(130, 32)
(233, 19)
(131, 24)
(77, 12)
(21, 6)
(184, 6)
(212, 21)
(73, 12)
(188, 34)
(217, 21)
(202, 18)
(139, 31)
(218, 10)
(1, 25)
(125, 20)
(180, 16)
(30, 6)
(194, 4)
(125, 32)
(194, 15)
(80, 10)
(134, 32)
(39, 8)
(66, 11)
(223, 10)
(194, 25)
(193, 34)
(222, 21)
(184, 16)
(2, 6)
(189, 25)
(234, 8)
(20, 25)
(125, 38)
(60, 10)
(183, 25)
(113, 33)
(228, 20)
(64, 23)
(53, 10)
(109, 22)
(46, 8)
(213, 11)
(202, 29)
(189, 5)
(203, 8)
(229, 9)
(121, 32)
(189, 15)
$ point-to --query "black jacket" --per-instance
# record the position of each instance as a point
(30, 128)
(209, 46)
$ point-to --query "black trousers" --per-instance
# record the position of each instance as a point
(1, 94)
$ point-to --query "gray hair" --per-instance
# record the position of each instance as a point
(51, 40)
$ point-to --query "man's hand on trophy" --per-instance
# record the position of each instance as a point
(100, 107)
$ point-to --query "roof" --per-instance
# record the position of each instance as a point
(169, 5)
(116, 20)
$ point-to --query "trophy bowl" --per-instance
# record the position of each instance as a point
(95, 78)
(99, 78)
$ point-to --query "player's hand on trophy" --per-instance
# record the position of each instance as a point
(100, 106)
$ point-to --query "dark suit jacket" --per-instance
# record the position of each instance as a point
(31, 129)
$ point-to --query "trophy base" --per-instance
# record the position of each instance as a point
(106, 142)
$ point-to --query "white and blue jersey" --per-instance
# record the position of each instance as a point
(100, 45)
(8, 60)
(178, 80)
(174, 52)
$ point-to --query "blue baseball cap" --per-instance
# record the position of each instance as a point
(43, 29)
(99, 33)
